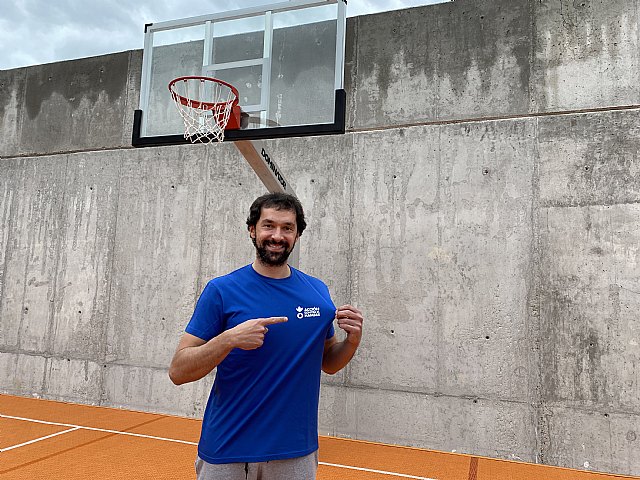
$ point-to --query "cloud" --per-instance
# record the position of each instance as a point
(42, 31)
(364, 7)
(37, 32)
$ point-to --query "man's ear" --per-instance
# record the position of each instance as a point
(252, 231)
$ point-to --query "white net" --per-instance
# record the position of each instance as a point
(205, 106)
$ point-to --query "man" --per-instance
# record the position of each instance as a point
(268, 328)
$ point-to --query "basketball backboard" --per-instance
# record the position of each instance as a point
(285, 59)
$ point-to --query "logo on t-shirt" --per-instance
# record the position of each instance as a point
(307, 312)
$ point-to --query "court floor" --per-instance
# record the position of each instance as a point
(41, 439)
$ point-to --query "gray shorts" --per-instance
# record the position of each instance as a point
(301, 468)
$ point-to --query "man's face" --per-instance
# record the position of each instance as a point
(274, 236)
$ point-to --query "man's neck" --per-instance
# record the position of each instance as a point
(280, 271)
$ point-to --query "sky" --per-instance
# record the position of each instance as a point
(33, 32)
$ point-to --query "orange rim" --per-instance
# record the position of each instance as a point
(187, 102)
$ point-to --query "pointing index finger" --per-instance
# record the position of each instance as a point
(273, 320)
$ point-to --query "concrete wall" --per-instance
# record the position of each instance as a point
(482, 210)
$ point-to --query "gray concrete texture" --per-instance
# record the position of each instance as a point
(482, 210)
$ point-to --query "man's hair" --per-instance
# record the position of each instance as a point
(278, 201)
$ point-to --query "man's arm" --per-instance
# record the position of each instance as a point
(338, 354)
(195, 357)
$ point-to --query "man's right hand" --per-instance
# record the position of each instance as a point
(195, 358)
(249, 335)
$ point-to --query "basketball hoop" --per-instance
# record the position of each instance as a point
(208, 107)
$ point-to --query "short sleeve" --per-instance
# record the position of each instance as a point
(330, 332)
(207, 320)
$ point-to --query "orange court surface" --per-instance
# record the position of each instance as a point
(41, 439)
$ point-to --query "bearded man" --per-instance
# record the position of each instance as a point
(268, 328)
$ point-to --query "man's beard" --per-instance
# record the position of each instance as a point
(272, 259)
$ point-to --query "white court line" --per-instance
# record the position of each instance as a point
(395, 474)
(99, 430)
(38, 439)
(117, 432)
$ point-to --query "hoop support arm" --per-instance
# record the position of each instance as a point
(265, 167)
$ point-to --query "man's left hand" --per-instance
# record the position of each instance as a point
(350, 320)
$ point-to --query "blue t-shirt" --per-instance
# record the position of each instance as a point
(264, 402)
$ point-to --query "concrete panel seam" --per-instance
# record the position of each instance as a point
(63, 152)
(637, 12)
(61, 232)
(21, 119)
(46, 355)
(12, 213)
(532, 55)
(463, 121)
(472, 398)
(203, 231)
(354, 74)
(51, 356)
(31, 353)
(533, 309)
(24, 277)
(439, 226)
(127, 110)
(49, 333)
(352, 271)
(592, 409)
(105, 326)
(155, 368)
(599, 203)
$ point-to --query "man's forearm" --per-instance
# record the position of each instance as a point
(194, 362)
(337, 356)
(193, 359)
